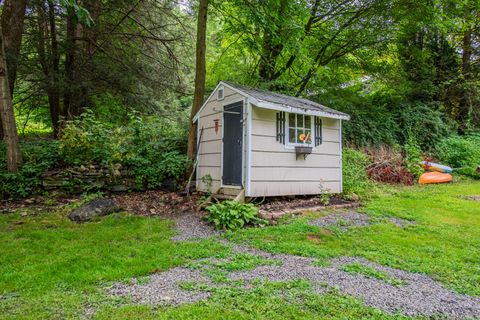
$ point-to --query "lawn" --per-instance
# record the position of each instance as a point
(52, 268)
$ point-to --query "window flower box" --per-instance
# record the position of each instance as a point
(303, 150)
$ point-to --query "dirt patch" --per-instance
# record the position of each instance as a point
(298, 203)
(275, 208)
(315, 238)
(156, 203)
(38, 203)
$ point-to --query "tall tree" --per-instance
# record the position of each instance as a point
(200, 74)
(292, 41)
(14, 156)
(13, 16)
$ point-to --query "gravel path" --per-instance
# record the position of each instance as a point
(191, 227)
(415, 295)
(347, 219)
(344, 220)
(164, 288)
(473, 198)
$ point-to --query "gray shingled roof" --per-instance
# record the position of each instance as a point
(285, 100)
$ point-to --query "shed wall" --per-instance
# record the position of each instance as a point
(210, 149)
(275, 171)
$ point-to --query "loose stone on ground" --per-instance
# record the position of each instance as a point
(418, 294)
(473, 198)
(191, 227)
(413, 294)
(94, 209)
(344, 220)
(164, 288)
(347, 219)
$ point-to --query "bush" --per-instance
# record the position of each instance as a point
(388, 165)
(233, 215)
(152, 147)
(355, 179)
(413, 157)
(38, 156)
(462, 153)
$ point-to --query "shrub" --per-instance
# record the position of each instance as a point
(421, 122)
(38, 157)
(233, 215)
(462, 153)
(413, 157)
(355, 179)
(150, 146)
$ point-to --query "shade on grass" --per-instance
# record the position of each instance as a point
(48, 263)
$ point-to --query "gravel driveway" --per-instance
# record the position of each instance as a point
(417, 295)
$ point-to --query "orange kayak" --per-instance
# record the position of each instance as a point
(435, 177)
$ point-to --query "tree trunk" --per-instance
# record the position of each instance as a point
(200, 75)
(14, 156)
(69, 63)
(54, 90)
(13, 16)
(465, 104)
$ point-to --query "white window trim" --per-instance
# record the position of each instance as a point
(290, 145)
(222, 90)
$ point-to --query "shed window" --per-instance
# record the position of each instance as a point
(299, 129)
(220, 93)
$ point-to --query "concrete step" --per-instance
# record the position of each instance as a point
(230, 194)
(230, 191)
(224, 196)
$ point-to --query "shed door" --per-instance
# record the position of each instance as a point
(232, 144)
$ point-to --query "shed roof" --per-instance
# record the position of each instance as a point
(278, 101)
(287, 101)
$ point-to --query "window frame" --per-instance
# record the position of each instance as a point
(222, 90)
(287, 130)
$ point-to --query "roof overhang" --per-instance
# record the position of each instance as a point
(289, 109)
(273, 106)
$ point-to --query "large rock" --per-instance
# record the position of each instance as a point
(94, 209)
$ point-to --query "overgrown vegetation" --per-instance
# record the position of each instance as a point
(233, 215)
(355, 179)
(462, 153)
(152, 148)
(39, 156)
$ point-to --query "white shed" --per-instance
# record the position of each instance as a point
(264, 144)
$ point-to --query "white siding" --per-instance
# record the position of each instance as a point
(275, 171)
(210, 150)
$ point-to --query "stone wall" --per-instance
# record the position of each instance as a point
(87, 178)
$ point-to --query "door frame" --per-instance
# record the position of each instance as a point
(244, 122)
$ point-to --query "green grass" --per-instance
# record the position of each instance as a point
(369, 272)
(53, 268)
(444, 242)
(284, 300)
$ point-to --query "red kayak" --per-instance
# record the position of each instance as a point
(435, 177)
